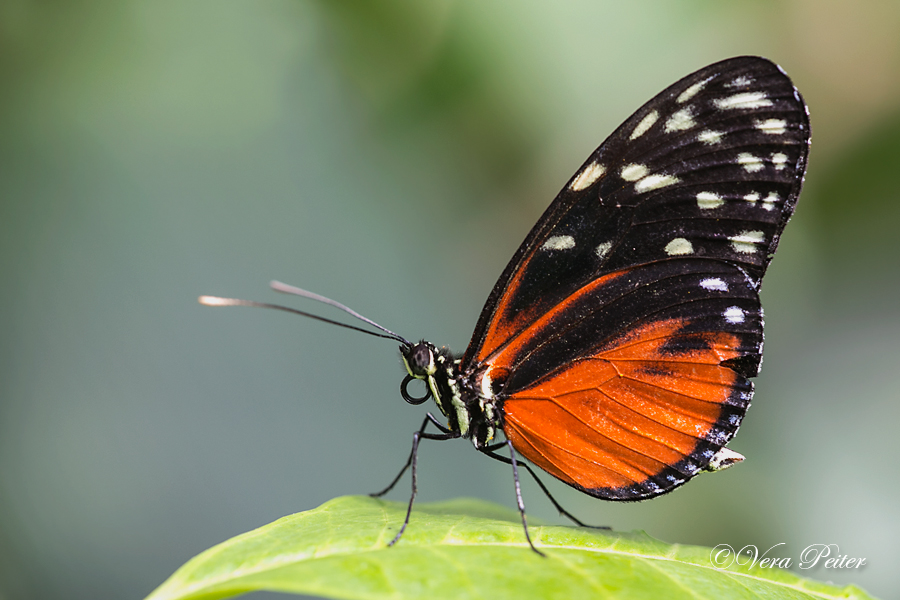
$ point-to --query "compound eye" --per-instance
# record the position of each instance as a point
(421, 355)
(421, 360)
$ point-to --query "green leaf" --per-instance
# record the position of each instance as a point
(465, 549)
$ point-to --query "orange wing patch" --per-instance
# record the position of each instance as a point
(508, 332)
(615, 424)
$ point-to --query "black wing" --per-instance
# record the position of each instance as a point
(710, 169)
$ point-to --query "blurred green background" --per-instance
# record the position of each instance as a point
(391, 155)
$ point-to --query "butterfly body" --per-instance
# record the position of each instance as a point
(472, 411)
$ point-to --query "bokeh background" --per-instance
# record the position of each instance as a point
(391, 155)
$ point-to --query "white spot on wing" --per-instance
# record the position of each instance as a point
(770, 201)
(747, 242)
(603, 249)
(709, 200)
(779, 160)
(654, 182)
(559, 242)
(679, 246)
(633, 172)
(588, 176)
(743, 101)
(710, 137)
(691, 91)
(681, 120)
(714, 284)
(734, 314)
(752, 197)
(751, 163)
(645, 124)
(772, 126)
(741, 81)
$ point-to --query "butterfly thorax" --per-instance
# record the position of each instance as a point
(458, 394)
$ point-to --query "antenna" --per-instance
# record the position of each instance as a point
(289, 289)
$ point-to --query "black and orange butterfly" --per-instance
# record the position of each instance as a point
(615, 351)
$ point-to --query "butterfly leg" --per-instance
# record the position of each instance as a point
(412, 461)
(489, 451)
(519, 501)
(428, 419)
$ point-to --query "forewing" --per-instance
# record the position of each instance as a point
(711, 168)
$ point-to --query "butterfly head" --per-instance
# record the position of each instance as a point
(419, 359)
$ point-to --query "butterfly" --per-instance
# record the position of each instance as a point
(616, 349)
